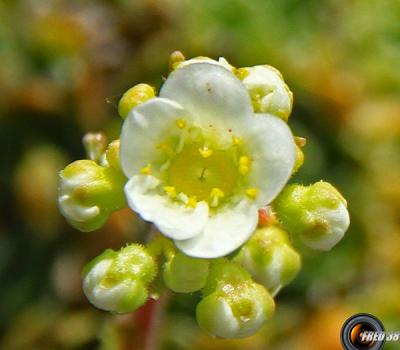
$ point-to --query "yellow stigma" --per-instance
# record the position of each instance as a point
(237, 141)
(146, 170)
(170, 190)
(252, 192)
(215, 195)
(181, 123)
(192, 202)
(205, 152)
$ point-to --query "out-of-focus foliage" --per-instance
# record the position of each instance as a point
(64, 65)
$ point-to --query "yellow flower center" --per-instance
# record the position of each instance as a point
(194, 168)
(195, 175)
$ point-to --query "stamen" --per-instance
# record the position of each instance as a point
(192, 202)
(215, 195)
(252, 192)
(181, 143)
(244, 165)
(237, 141)
(183, 197)
(166, 148)
(146, 170)
(170, 190)
(165, 166)
(181, 123)
(205, 151)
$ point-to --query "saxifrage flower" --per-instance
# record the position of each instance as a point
(200, 161)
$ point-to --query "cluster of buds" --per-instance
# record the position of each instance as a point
(207, 162)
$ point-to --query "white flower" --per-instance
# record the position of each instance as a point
(267, 89)
(201, 162)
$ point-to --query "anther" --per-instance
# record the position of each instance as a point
(170, 190)
(146, 170)
(205, 152)
(181, 123)
(252, 192)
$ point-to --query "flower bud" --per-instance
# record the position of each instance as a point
(202, 59)
(89, 193)
(134, 96)
(233, 306)
(184, 274)
(118, 281)
(267, 89)
(270, 258)
(317, 213)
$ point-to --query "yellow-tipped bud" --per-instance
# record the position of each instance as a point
(134, 96)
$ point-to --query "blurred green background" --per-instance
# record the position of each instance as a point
(64, 65)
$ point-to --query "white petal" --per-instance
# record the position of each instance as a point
(211, 94)
(224, 232)
(143, 131)
(272, 148)
(173, 219)
(226, 325)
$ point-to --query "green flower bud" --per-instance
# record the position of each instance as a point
(233, 306)
(184, 274)
(118, 281)
(175, 59)
(267, 90)
(134, 96)
(89, 193)
(270, 258)
(317, 213)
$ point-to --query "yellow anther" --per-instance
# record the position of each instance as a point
(236, 140)
(243, 160)
(181, 123)
(192, 202)
(216, 192)
(244, 165)
(252, 192)
(170, 190)
(243, 169)
(146, 170)
(205, 152)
